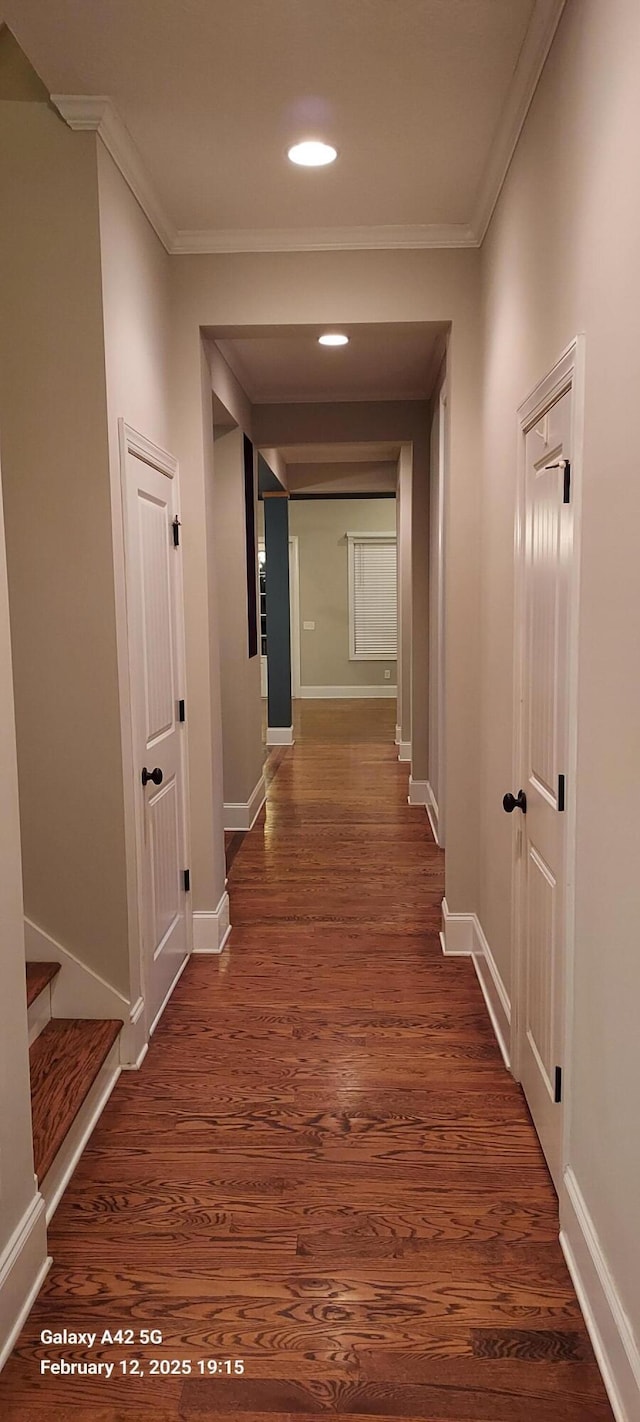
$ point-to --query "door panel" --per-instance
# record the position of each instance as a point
(546, 553)
(156, 663)
(158, 658)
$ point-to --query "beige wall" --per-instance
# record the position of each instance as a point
(321, 526)
(561, 258)
(17, 1185)
(243, 754)
(136, 315)
(53, 415)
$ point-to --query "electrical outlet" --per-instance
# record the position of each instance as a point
(387, 674)
(309, 626)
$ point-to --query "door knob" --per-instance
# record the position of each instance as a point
(515, 802)
(155, 775)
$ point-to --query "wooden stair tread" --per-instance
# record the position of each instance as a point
(38, 976)
(64, 1062)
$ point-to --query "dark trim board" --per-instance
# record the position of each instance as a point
(300, 496)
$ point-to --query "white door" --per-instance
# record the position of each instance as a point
(546, 551)
(156, 659)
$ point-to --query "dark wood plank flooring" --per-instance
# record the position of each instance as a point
(323, 1168)
(39, 975)
(64, 1062)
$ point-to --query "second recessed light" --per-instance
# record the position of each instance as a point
(333, 338)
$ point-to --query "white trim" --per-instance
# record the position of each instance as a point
(134, 1043)
(531, 60)
(211, 930)
(434, 814)
(294, 612)
(463, 936)
(349, 693)
(418, 791)
(76, 991)
(325, 239)
(610, 1329)
(24, 1265)
(97, 113)
(494, 993)
(458, 932)
(398, 736)
(404, 752)
(280, 735)
(39, 1013)
(243, 815)
(59, 1174)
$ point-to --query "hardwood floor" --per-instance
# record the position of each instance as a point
(322, 1168)
(64, 1062)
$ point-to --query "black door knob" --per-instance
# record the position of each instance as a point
(155, 775)
(515, 802)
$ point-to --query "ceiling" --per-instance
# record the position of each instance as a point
(362, 467)
(424, 100)
(391, 362)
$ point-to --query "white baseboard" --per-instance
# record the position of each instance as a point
(458, 932)
(348, 693)
(24, 1264)
(494, 993)
(280, 735)
(76, 991)
(462, 936)
(243, 815)
(211, 930)
(404, 751)
(616, 1349)
(418, 791)
(134, 1042)
(433, 813)
(58, 1176)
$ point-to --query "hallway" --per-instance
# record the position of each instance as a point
(322, 1168)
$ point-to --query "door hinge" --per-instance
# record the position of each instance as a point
(186, 875)
(181, 710)
(176, 531)
(557, 1089)
(561, 792)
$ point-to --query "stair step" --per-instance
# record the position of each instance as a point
(39, 975)
(64, 1061)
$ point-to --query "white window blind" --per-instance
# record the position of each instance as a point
(373, 612)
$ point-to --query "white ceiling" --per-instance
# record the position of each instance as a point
(392, 362)
(422, 98)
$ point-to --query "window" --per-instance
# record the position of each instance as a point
(373, 597)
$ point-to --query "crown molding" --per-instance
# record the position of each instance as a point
(531, 60)
(95, 113)
(324, 239)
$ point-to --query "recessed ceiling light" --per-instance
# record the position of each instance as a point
(333, 338)
(312, 154)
